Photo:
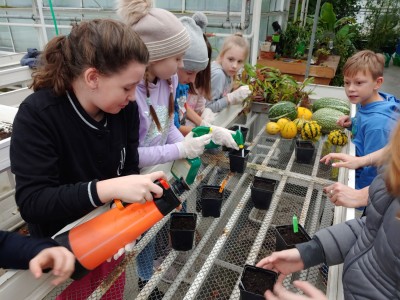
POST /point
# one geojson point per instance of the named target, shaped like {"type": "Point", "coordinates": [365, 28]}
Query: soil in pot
{"type": "Point", "coordinates": [262, 190]}
{"type": "Point", "coordinates": [264, 184]}
{"type": "Point", "coordinates": [211, 201]}
{"type": "Point", "coordinates": [238, 160]}
{"type": "Point", "coordinates": [182, 229]}
{"type": "Point", "coordinates": [183, 222]}
{"type": "Point", "coordinates": [255, 281]}
{"type": "Point", "coordinates": [286, 238]}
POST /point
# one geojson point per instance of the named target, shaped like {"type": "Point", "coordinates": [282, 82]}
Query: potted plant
{"type": "Point", "coordinates": [269, 86]}
{"type": "Point", "coordinates": [255, 281]}
{"type": "Point", "coordinates": [286, 238]}
{"type": "Point", "coordinates": [238, 160]}
{"type": "Point", "coordinates": [322, 55]}
{"type": "Point", "coordinates": [304, 151]}
{"type": "Point", "coordinates": [340, 34]}
{"type": "Point", "coordinates": [262, 190]}
{"type": "Point", "coordinates": [296, 37]}
{"type": "Point", "coordinates": [182, 228]}
{"type": "Point", "coordinates": [211, 200]}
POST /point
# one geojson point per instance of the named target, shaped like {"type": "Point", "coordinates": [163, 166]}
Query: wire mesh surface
{"type": "Point", "coordinates": [241, 235]}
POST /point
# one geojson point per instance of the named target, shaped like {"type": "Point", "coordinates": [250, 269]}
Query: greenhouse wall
{"type": "Point", "coordinates": [14, 14]}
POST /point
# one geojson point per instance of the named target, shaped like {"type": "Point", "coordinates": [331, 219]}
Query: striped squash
{"type": "Point", "coordinates": [299, 123]}
{"type": "Point", "coordinates": [337, 137]}
{"type": "Point", "coordinates": [311, 131]}
{"type": "Point", "coordinates": [283, 109]}
{"type": "Point", "coordinates": [330, 102]}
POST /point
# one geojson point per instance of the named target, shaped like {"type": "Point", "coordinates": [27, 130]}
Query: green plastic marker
{"type": "Point", "coordinates": [295, 224]}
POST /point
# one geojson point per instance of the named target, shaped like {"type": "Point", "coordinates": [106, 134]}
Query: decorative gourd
{"type": "Point", "coordinates": [327, 118]}
{"type": "Point", "coordinates": [311, 131]}
{"type": "Point", "coordinates": [272, 128]}
{"type": "Point", "coordinates": [289, 131]}
{"type": "Point", "coordinates": [337, 137]}
{"type": "Point", "coordinates": [304, 113]}
{"type": "Point", "coordinates": [281, 122]}
{"type": "Point", "coordinates": [283, 109]}
{"type": "Point", "coordinates": [335, 103]}
{"type": "Point", "coordinates": [299, 123]}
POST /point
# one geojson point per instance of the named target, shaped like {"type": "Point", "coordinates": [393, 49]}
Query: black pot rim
{"type": "Point", "coordinates": [261, 270]}
{"type": "Point", "coordinates": [301, 228]}
{"type": "Point", "coordinates": [184, 215]}
{"type": "Point", "coordinates": [274, 181]}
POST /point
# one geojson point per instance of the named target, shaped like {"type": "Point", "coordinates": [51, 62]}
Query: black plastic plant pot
{"type": "Point", "coordinates": [211, 201]}
{"type": "Point", "coordinates": [287, 239]}
{"type": "Point", "coordinates": [182, 228]}
{"type": "Point", "coordinates": [238, 160]}
{"type": "Point", "coordinates": [304, 151]}
{"type": "Point", "coordinates": [244, 130]}
{"type": "Point", "coordinates": [262, 190]}
{"type": "Point", "coordinates": [254, 282]}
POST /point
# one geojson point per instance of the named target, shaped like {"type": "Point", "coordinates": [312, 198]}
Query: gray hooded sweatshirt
{"type": "Point", "coordinates": [368, 247]}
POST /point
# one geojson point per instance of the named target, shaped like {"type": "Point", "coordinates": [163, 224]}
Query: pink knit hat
{"type": "Point", "coordinates": [162, 32]}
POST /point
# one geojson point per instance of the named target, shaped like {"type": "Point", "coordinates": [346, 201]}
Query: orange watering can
{"type": "Point", "coordinates": [94, 241]}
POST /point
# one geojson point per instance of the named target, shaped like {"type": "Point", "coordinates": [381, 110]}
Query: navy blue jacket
{"type": "Point", "coordinates": [17, 250]}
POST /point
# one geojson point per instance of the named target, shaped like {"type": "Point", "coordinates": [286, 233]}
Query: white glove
{"type": "Point", "coordinates": [192, 147]}
{"type": "Point", "coordinates": [126, 248]}
{"type": "Point", "coordinates": [121, 251]}
{"type": "Point", "coordinates": [237, 96]}
{"type": "Point", "coordinates": [208, 117]}
{"type": "Point", "coordinates": [222, 136]}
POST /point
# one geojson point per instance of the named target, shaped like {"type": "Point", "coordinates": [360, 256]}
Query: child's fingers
{"type": "Point", "coordinates": [35, 269]}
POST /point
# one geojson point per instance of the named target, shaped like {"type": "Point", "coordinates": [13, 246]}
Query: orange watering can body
{"type": "Point", "coordinates": [98, 239]}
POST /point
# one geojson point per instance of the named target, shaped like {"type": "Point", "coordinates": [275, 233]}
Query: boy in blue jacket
{"type": "Point", "coordinates": [23, 252]}
{"type": "Point", "coordinates": [377, 112]}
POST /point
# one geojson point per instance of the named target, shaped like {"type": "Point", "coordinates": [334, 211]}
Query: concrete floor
{"type": "Point", "coordinates": [391, 82]}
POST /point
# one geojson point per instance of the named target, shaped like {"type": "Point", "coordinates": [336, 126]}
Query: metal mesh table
{"type": "Point", "coordinates": [242, 234]}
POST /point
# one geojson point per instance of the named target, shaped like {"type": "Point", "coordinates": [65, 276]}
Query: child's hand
{"type": "Point", "coordinates": [285, 262]}
{"type": "Point", "coordinates": [344, 121]}
{"type": "Point", "coordinates": [208, 117]}
{"type": "Point", "coordinates": [343, 195]}
{"type": "Point", "coordinates": [237, 96]}
{"type": "Point", "coordinates": [60, 259]}
{"type": "Point", "coordinates": [281, 293]}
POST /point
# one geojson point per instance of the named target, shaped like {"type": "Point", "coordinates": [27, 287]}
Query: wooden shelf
{"type": "Point", "coordinates": [297, 68]}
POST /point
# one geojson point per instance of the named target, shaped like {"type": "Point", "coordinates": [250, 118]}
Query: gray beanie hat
{"type": "Point", "coordinates": [196, 57]}
{"type": "Point", "coordinates": [159, 29]}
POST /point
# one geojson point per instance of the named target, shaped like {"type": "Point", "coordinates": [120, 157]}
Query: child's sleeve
{"type": "Point", "coordinates": [16, 250]}
{"type": "Point", "coordinates": [219, 101]}
{"type": "Point", "coordinates": [154, 155]}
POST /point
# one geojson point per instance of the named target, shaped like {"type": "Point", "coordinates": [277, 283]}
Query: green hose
{"type": "Point", "coordinates": [53, 16]}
